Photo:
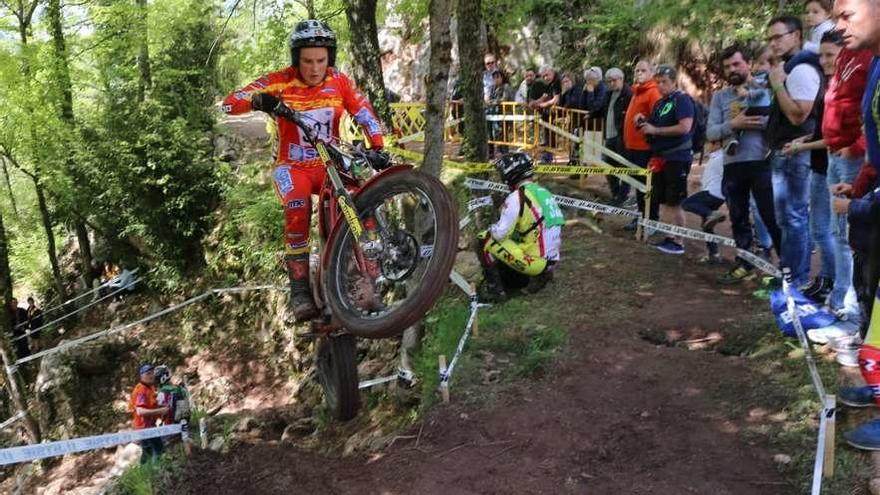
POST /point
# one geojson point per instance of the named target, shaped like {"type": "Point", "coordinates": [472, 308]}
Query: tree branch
{"type": "Point", "coordinates": [333, 14]}
{"type": "Point", "coordinates": [4, 151]}
{"type": "Point", "coordinates": [222, 30]}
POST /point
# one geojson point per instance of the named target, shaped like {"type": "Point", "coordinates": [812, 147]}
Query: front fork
{"type": "Point", "coordinates": [367, 246]}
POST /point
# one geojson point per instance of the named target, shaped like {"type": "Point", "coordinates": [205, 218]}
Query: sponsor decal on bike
{"type": "Point", "coordinates": [322, 151]}
{"type": "Point", "coordinates": [226, 108]}
{"type": "Point", "coordinates": [426, 251]}
{"type": "Point", "coordinates": [296, 203]}
{"type": "Point", "coordinates": [283, 180]}
{"type": "Point", "coordinates": [350, 216]}
{"type": "Point", "coordinates": [242, 95]}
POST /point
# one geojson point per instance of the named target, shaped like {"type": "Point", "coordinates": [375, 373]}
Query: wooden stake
{"type": "Point", "coordinates": [828, 461]}
{"type": "Point", "coordinates": [203, 432]}
{"type": "Point", "coordinates": [475, 329]}
{"type": "Point", "coordinates": [444, 386]}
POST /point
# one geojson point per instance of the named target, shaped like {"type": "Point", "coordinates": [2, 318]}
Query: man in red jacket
{"type": "Point", "coordinates": [842, 132]}
{"type": "Point", "coordinates": [313, 87]}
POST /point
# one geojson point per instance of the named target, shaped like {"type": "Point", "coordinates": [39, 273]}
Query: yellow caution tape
{"type": "Point", "coordinates": [540, 169]}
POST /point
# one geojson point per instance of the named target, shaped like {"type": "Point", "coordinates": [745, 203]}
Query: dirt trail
{"type": "Point", "coordinates": [617, 414]}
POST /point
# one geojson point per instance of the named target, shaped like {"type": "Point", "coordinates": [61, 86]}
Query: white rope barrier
{"type": "Point", "coordinates": [113, 330]}
{"type": "Point", "coordinates": [824, 447]}
{"type": "Point", "coordinates": [27, 453]}
{"type": "Point", "coordinates": [462, 284]}
{"type": "Point", "coordinates": [11, 420]}
{"type": "Point", "coordinates": [130, 284]}
{"type": "Point", "coordinates": [446, 372]}
{"type": "Point", "coordinates": [805, 343]}
{"type": "Point", "coordinates": [84, 294]}
{"type": "Point", "coordinates": [591, 206]}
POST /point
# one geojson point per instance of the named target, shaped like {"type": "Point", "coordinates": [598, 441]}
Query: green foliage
{"type": "Point", "coordinates": [444, 325]}
{"type": "Point", "coordinates": [151, 478]}
{"type": "Point", "coordinates": [140, 479]}
{"type": "Point", "coordinates": [249, 233]}
{"type": "Point", "coordinates": [518, 329]}
{"type": "Point", "coordinates": [529, 336]}
{"type": "Point", "coordinates": [149, 163]}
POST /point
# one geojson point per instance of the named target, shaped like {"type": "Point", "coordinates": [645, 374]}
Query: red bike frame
{"type": "Point", "coordinates": [330, 218]}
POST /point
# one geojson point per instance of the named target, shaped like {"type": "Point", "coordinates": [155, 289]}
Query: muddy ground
{"type": "Point", "coordinates": [618, 413]}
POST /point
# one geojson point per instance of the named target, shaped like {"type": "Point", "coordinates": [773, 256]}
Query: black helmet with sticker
{"type": "Point", "coordinates": [515, 168]}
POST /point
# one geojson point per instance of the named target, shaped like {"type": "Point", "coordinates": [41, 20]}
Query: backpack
{"type": "Point", "coordinates": [701, 121]}
{"type": "Point", "coordinates": [811, 315]}
{"type": "Point", "coordinates": [177, 399]}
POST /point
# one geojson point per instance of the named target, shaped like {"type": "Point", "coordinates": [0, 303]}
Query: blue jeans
{"type": "Point", "coordinates": [842, 170]}
{"type": "Point", "coordinates": [791, 198]}
{"type": "Point", "coordinates": [820, 224]}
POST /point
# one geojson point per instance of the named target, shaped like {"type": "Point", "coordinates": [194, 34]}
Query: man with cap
{"type": "Point", "coordinates": [145, 411]}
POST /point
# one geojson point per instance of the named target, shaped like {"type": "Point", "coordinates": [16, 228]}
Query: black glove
{"type": "Point", "coordinates": [378, 159]}
{"type": "Point", "coordinates": [264, 102]}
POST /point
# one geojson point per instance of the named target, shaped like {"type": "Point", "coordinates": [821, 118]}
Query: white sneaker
{"type": "Point", "coordinates": [848, 342]}
{"type": "Point", "coordinates": [848, 358]}
{"type": "Point", "coordinates": [836, 330]}
{"type": "Point", "coordinates": [847, 349]}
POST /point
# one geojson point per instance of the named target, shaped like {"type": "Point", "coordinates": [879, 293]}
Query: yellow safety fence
{"type": "Point", "coordinates": [564, 132]}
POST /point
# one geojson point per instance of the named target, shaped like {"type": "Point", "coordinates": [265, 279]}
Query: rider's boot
{"type": "Point", "coordinates": [538, 282]}
{"type": "Point", "coordinates": [492, 289]}
{"type": "Point", "coordinates": [301, 302]}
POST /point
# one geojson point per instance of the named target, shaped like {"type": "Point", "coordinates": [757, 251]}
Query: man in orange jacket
{"type": "Point", "coordinates": [638, 151]}
{"type": "Point", "coordinates": [145, 411]}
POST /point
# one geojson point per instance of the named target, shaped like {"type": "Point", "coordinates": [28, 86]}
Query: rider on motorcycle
{"type": "Point", "coordinates": [313, 87]}
{"type": "Point", "coordinates": [526, 237]}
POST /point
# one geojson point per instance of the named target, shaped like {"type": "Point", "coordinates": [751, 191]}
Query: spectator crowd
{"type": "Point", "coordinates": [793, 153]}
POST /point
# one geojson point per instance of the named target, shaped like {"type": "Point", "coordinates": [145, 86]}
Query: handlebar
{"type": "Point", "coordinates": [377, 160]}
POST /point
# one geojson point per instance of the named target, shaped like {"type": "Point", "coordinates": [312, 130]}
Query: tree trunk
{"type": "Point", "coordinates": [145, 81]}
{"type": "Point", "coordinates": [11, 380]}
{"type": "Point", "coordinates": [470, 56]}
{"type": "Point", "coordinates": [439, 13]}
{"type": "Point", "coordinates": [62, 79]}
{"type": "Point", "coordinates": [9, 187]}
{"type": "Point", "coordinates": [60, 65]}
{"type": "Point", "coordinates": [85, 251]}
{"type": "Point", "coordinates": [50, 240]}
{"type": "Point", "coordinates": [366, 61]}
